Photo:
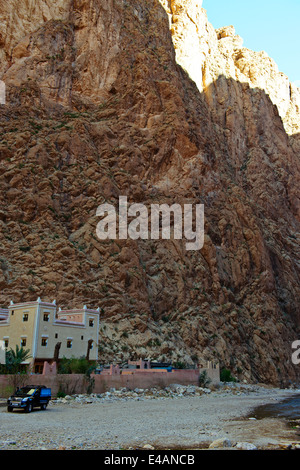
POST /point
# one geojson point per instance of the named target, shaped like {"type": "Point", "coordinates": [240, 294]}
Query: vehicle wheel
{"type": "Point", "coordinates": [43, 406]}
{"type": "Point", "coordinates": [9, 409]}
{"type": "Point", "coordinates": [28, 408]}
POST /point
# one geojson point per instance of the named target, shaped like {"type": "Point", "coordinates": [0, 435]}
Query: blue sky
{"type": "Point", "coordinates": [269, 25]}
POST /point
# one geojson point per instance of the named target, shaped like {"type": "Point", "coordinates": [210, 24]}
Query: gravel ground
{"type": "Point", "coordinates": [162, 422]}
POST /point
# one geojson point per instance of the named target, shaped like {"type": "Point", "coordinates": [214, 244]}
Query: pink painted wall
{"type": "Point", "coordinates": [77, 383]}
{"type": "Point", "coordinates": [144, 379]}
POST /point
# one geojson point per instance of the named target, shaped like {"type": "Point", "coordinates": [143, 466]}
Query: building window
{"type": "Point", "coordinates": [91, 322]}
{"type": "Point", "coordinates": [23, 342]}
{"type": "Point", "coordinates": [46, 316]}
{"type": "Point", "coordinates": [25, 317]}
{"type": "Point", "coordinates": [82, 337]}
{"type": "Point", "coordinates": [56, 335]}
{"type": "Point", "coordinates": [44, 341]}
{"type": "Point", "coordinates": [38, 369]}
{"type": "Point", "coordinates": [69, 343]}
{"type": "Point", "coordinates": [6, 342]}
{"type": "Point", "coordinates": [12, 312]}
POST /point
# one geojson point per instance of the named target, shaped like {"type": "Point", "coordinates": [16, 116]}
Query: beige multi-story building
{"type": "Point", "coordinates": [48, 332]}
{"type": "Point", "coordinates": [3, 318]}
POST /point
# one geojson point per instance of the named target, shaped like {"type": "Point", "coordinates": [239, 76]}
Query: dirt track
{"type": "Point", "coordinates": [168, 423]}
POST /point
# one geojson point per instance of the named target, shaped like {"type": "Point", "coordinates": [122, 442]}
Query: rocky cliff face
{"type": "Point", "coordinates": [145, 99]}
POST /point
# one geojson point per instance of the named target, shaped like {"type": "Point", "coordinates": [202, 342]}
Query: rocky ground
{"type": "Point", "coordinates": [177, 417]}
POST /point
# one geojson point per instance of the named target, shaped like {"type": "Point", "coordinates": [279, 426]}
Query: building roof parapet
{"type": "Point", "coordinates": [82, 310]}
{"type": "Point", "coordinates": [34, 302]}
{"type": "Point", "coordinates": [4, 311]}
{"type": "Point", "coordinates": [68, 322]}
{"type": "Point", "coordinates": [51, 304]}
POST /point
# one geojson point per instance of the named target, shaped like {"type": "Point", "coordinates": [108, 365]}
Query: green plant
{"type": "Point", "coordinates": [90, 381]}
{"type": "Point", "coordinates": [165, 318]}
{"type": "Point", "coordinates": [25, 248]}
{"type": "Point", "coordinates": [179, 365]}
{"type": "Point", "coordinates": [14, 366]}
{"type": "Point", "coordinates": [20, 379]}
{"type": "Point", "coordinates": [7, 391]}
{"type": "Point", "coordinates": [74, 365]}
{"type": "Point", "coordinates": [61, 393]}
{"type": "Point", "coordinates": [203, 379]}
{"type": "Point", "coordinates": [225, 376]}
{"type": "Point", "coordinates": [15, 358]}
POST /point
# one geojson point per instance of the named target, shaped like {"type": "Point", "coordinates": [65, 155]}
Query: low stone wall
{"type": "Point", "coordinates": [78, 383]}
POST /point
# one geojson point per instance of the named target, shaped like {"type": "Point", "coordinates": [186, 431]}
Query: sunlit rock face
{"type": "Point", "coordinates": [206, 53]}
{"type": "Point", "coordinates": [145, 99]}
{"type": "Point", "coordinates": [19, 19]}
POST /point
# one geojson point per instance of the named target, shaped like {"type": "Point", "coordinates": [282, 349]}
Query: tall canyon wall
{"type": "Point", "coordinates": [145, 99]}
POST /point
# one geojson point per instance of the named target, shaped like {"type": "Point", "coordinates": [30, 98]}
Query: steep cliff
{"type": "Point", "coordinates": [145, 99]}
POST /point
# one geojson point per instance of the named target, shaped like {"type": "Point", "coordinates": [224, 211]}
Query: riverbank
{"type": "Point", "coordinates": [174, 418]}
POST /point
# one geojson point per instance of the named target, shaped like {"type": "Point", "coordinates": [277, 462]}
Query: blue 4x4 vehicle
{"type": "Point", "coordinates": [29, 397]}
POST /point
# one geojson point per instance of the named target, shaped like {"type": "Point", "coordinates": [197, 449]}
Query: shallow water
{"type": "Point", "coordinates": [287, 409]}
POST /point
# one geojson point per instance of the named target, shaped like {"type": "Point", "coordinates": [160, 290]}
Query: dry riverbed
{"type": "Point", "coordinates": [174, 418]}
